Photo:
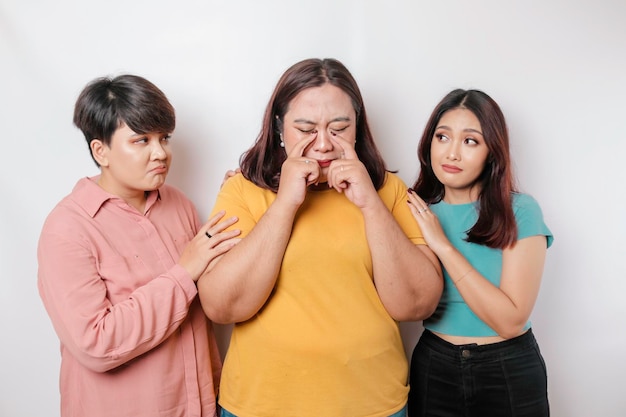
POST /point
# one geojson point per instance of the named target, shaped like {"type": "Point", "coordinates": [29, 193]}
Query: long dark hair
{"type": "Point", "coordinates": [262, 163]}
{"type": "Point", "coordinates": [496, 226]}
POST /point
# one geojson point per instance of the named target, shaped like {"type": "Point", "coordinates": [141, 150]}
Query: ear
{"type": "Point", "coordinates": [100, 152]}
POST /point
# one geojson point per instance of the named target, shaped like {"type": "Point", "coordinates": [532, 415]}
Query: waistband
{"type": "Point", "coordinates": [526, 340]}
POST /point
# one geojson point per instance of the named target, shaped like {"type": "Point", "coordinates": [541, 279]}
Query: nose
{"type": "Point", "coordinates": [323, 143]}
{"type": "Point", "coordinates": [454, 152]}
{"type": "Point", "coordinates": [158, 150]}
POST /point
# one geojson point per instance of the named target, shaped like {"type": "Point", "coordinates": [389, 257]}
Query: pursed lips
{"type": "Point", "coordinates": [451, 168]}
{"type": "Point", "coordinates": [159, 170]}
{"type": "Point", "coordinates": [324, 163]}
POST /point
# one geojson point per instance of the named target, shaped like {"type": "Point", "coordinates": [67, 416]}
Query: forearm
{"type": "Point", "coordinates": [408, 279]}
{"type": "Point", "coordinates": [490, 303]}
{"type": "Point", "coordinates": [240, 283]}
{"type": "Point", "coordinates": [102, 335]}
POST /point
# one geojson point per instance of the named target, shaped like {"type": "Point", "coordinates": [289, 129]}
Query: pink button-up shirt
{"type": "Point", "coordinates": [134, 339]}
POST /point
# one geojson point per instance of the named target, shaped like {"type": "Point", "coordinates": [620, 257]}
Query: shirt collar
{"type": "Point", "coordinates": [89, 195]}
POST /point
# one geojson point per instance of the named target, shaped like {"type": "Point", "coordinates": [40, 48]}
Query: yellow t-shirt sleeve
{"type": "Point", "coordinates": [231, 199]}
{"type": "Point", "coordinates": [394, 195]}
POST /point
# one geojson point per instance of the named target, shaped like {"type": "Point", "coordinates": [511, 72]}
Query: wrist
{"type": "Point", "coordinates": [374, 207]}
{"type": "Point", "coordinates": [443, 249]}
{"type": "Point", "coordinates": [462, 277]}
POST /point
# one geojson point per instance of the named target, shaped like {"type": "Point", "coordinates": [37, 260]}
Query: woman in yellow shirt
{"type": "Point", "coordinates": [330, 259]}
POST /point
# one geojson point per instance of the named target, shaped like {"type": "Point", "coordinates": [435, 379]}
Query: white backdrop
{"type": "Point", "coordinates": [558, 69]}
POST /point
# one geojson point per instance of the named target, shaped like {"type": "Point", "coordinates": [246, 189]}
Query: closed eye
{"type": "Point", "coordinates": [339, 130]}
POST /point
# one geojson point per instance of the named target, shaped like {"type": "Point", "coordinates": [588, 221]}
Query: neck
{"type": "Point", "coordinates": [463, 196]}
{"type": "Point", "coordinates": [138, 203]}
{"type": "Point", "coordinates": [136, 199]}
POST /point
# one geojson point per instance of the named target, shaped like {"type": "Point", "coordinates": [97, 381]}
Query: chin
{"type": "Point", "coordinates": [153, 187]}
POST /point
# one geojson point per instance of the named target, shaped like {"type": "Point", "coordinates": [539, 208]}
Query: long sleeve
{"type": "Point", "coordinates": [134, 339]}
{"type": "Point", "coordinates": [102, 335]}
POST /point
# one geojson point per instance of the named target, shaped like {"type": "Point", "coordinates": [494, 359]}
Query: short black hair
{"type": "Point", "coordinates": [107, 103]}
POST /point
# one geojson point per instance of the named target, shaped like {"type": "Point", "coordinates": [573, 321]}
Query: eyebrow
{"type": "Point", "coordinates": [464, 130]}
{"type": "Point", "coordinates": [336, 119]}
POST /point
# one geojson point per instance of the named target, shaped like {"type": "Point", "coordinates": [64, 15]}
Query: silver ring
{"type": "Point", "coordinates": [208, 235]}
{"type": "Point", "coordinates": [341, 168]}
{"type": "Point", "coordinates": [306, 161]}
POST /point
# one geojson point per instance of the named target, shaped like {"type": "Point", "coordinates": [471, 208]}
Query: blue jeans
{"type": "Point", "coordinates": [500, 379]}
{"type": "Point", "coordinates": [401, 413]}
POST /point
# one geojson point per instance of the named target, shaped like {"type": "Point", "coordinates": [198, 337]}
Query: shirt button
{"type": "Point", "coordinates": [465, 353]}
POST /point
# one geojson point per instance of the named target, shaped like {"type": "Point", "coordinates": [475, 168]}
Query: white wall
{"type": "Point", "coordinates": [556, 67]}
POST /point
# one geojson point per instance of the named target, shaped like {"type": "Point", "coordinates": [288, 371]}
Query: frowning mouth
{"type": "Point", "coordinates": [162, 169]}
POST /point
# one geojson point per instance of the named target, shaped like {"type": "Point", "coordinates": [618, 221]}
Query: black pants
{"type": "Point", "coordinates": [494, 380]}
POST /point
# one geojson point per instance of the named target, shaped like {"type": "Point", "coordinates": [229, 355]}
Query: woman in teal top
{"type": "Point", "coordinates": [477, 355]}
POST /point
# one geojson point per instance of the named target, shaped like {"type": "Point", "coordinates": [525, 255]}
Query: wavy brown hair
{"type": "Point", "coordinates": [262, 163]}
{"type": "Point", "coordinates": [496, 226]}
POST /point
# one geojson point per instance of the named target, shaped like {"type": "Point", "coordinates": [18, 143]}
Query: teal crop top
{"type": "Point", "coordinates": [452, 315]}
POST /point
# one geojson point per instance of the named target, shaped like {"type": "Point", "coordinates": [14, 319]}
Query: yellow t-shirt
{"type": "Point", "coordinates": [323, 344]}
